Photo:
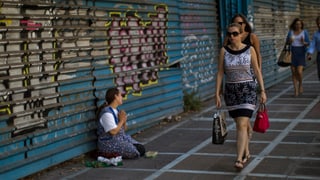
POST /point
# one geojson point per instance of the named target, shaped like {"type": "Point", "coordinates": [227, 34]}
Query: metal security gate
{"type": "Point", "coordinates": [200, 46]}
{"type": "Point", "coordinates": [57, 58]}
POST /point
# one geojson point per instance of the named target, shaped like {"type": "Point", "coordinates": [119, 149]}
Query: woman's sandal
{"type": "Point", "coordinates": [246, 158]}
{"type": "Point", "coordinates": [238, 164]}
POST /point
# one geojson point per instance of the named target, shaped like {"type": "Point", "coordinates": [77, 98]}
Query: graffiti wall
{"type": "Point", "coordinates": [200, 46]}
{"type": "Point", "coordinates": [58, 58]}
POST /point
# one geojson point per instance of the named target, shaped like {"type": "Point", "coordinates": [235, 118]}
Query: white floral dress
{"type": "Point", "coordinates": [240, 87]}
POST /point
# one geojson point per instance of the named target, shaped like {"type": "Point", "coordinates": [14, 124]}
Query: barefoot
{"type": "Point", "coordinates": [300, 90]}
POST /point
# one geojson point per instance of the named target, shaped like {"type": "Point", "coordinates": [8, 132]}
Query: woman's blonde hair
{"type": "Point", "coordinates": [236, 25]}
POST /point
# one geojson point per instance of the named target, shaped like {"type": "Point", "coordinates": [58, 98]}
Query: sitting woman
{"type": "Point", "coordinates": [112, 140]}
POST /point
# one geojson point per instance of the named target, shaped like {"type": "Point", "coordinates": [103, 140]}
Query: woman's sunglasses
{"type": "Point", "coordinates": [234, 34]}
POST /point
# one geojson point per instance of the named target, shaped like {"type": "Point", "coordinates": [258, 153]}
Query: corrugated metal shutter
{"type": "Point", "coordinates": [137, 58]}
{"type": "Point", "coordinates": [228, 8]}
{"type": "Point", "coordinates": [309, 13]}
{"type": "Point", "coordinates": [47, 97]}
{"type": "Point", "coordinates": [59, 57]}
{"type": "Point", "coordinates": [201, 44]}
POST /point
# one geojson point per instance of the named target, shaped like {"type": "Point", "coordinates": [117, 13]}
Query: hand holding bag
{"type": "Point", "coordinates": [285, 56]}
{"type": "Point", "coordinates": [219, 128]}
{"type": "Point", "coordinates": [261, 124]}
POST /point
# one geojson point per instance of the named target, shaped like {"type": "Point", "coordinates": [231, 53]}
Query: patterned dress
{"type": "Point", "coordinates": [119, 144]}
{"type": "Point", "coordinates": [240, 88]}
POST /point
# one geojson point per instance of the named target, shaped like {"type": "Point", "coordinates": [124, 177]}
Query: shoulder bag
{"type": "Point", "coordinates": [285, 56]}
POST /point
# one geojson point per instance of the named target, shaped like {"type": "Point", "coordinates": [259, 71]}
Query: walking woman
{"type": "Point", "coordinates": [235, 62]}
{"type": "Point", "coordinates": [251, 39]}
{"type": "Point", "coordinates": [298, 38]}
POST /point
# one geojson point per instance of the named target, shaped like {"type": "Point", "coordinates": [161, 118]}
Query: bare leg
{"type": "Point", "coordinates": [242, 136]}
{"type": "Point", "coordinates": [250, 131]}
{"type": "Point", "coordinates": [299, 74]}
{"type": "Point", "coordinates": [294, 80]}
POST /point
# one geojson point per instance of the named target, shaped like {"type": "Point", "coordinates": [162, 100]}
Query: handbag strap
{"type": "Point", "coordinates": [218, 112]}
{"type": "Point", "coordinates": [287, 47]}
{"type": "Point", "coordinates": [262, 107]}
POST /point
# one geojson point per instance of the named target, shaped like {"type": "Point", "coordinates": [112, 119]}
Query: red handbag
{"type": "Point", "coordinates": [261, 124]}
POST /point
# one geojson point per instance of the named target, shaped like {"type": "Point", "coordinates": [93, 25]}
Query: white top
{"type": "Point", "coordinates": [297, 39]}
{"type": "Point", "coordinates": [237, 65]}
{"type": "Point", "coordinates": [107, 120]}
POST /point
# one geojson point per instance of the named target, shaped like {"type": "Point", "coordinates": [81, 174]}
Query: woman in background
{"type": "Point", "coordinates": [298, 39]}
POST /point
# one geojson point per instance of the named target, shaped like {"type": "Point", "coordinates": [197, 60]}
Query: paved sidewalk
{"type": "Point", "coordinates": [289, 150]}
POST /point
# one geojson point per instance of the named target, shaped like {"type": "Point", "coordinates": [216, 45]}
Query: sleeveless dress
{"type": "Point", "coordinates": [119, 144]}
{"type": "Point", "coordinates": [240, 88]}
{"type": "Point", "coordinates": [247, 40]}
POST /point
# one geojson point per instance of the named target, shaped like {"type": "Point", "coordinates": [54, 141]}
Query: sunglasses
{"type": "Point", "coordinates": [241, 23]}
{"type": "Point", "coordinates": [234, 34]}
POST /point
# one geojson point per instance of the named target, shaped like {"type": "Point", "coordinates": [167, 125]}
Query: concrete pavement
{"type": "Point", "coordinates": [290, 149]}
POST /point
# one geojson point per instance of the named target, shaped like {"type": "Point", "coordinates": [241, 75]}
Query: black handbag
{"type": "Point", "coordinates": [219, 128]}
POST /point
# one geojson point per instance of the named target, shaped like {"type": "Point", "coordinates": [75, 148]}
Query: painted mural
{"type": "Point", "coordinates": [137, 47]}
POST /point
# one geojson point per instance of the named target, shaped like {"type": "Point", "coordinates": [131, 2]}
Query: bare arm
{"type": "Point", "coordinates": [219, 78]}
{"type": "Point", "coordinates": [256, 44]}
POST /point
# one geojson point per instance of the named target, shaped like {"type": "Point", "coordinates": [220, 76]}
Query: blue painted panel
{"type": "Point", "coordinates": [102, 70]}
{"type": "Point", "coordinates": [61, 140]}
{"type": "Point", "coordinates": [5, 133]}
{"type": "Point", "coordinates": [73, 117]}
{"type": "Point", "coordinates": [200, 45]}
{"type": "Point", "coordinates": [8, 163]}
{"type": "Point", "coordinates": [78, 85]}
{"type": "Point", "coordinates": [12, 150]}
{"type": "Point", "coordinates": [34, 166]}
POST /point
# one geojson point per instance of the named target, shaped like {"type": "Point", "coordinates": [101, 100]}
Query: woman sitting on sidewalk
{"type": "Point", "coordinates": [112, 139]}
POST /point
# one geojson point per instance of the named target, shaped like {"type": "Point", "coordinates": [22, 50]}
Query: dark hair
{"type": "Point", "coordinates": [248, 27]}
{"type": "Point", "coordinates": [236, 25]}
{"type": "Point", "coordinates": [318, 18]}
{"type": "Point", "coordinates": [110, 94]}
{"type": "Point", "coordinates": [292, 25]}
